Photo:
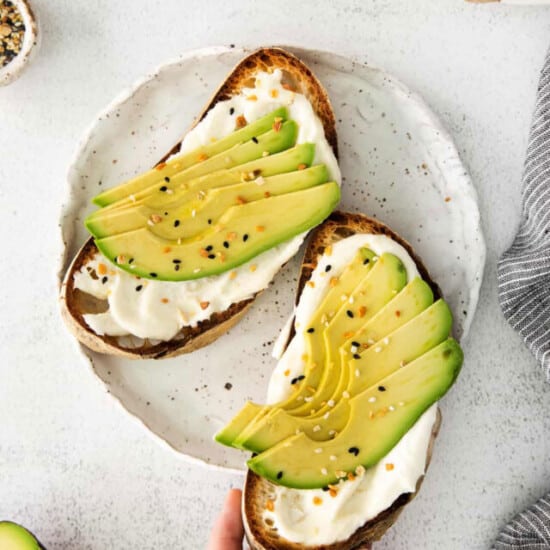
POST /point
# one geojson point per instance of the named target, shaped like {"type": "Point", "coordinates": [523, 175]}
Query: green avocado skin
{"type": "Point", "coordinates": [15, 537]}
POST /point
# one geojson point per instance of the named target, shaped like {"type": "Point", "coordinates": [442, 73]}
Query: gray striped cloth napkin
{"type": "Point", "coordinates": [524, 294]}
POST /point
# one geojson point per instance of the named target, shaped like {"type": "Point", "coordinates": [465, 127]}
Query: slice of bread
{"type": "Point", "coordinates": [257, 490]}
{"type": "Point", "coordinates": [74, 303]}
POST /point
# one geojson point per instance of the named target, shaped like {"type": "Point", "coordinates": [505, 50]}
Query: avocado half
{"type": "Point", "coordinates": [16, 537]}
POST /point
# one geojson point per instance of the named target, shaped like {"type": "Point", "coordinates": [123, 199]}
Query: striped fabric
{"type": "Point", "coordinates": [524, 269]}
{"type": "Point", "coordinates": [524, 293]}
{"type": "Point", "coordinates": [529, 530]}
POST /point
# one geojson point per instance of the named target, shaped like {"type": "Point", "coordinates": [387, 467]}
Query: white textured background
{"type": "Point", "coordinates": [82, 474]}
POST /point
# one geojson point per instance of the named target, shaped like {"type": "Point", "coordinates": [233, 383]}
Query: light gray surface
{"type": "Point", "coordinates": [80, 472]}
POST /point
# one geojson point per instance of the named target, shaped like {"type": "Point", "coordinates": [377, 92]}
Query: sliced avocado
{"type": "Point", "coordinates": [378, 418]}
{"type": "Point", "coordinates": [181, 189]}
{"type": "Point", "coordinates": [194, 216]}
{"type": "Point", "coordinates": [377, 288]}
{"type": "Point", "coordinates": [183, 162]}
{"type": "Point", "coordinates": [248, 229]}
{"type": "Point", "coordinates": [400, 347]}
{"type": "Point", "coordinates": [15, 537]}
{"type": "Point", "coordinates": [350, 278]}
{"type": "Point", "coordinates": [409, 303]}
{"type": "Point", "coordinates": [240, 421]}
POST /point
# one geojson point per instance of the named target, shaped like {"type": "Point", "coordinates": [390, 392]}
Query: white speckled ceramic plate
{"type": "Point", "coordinates": [399, 165]}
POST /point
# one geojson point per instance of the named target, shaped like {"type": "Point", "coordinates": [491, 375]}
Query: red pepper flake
{"type": "Point", "coordinates": [267, 194]}
{"type": "Point", "coordinates": [302, 166]}
{"type": "Point", "coordinates": [240, 122]}
{"type": "Point", "coordinates": [328, 250]}
{"type": "Point", "coordinates": [310, 284]}
{"type": "Point", "coordinates": [231, 236]}
{"type": "Point", "coordinates": [101, 269]}
{"type": "Point", "coordinates": [287, 372]}
{"type": "Point", "coordinates": [167, 249]}
{"type": "Point", "coordinates": [204, 305]}
{"type": "Point", "coordinates": [351, 476]}
{"type": "Point", "coordinates": [362, 311]}
{"type": "Point", "coordinates": [253, 267]}
{"type": "Point", "coordinates": [317, 501]}
{"type": "Point", "coordinates": [333, 281]}
{"type": "Point", "coordinates": [397, 313]}
{"type": "Point", "coordinates": [270, 505]}
{"type": "Point", "coordinates": [389, 467]}
{"type": "Point", "coordinates": [447, 199]}
{"type": "Point", "coordinates": [222, 257]}
{"type": "Point", "coordinates": [274, 93]}
{"type": "Point", "coordinates": [252, 97]}
{"type": "Point", "coordinates": [202, 157]}
{"type": "Point", "coordinates": [260, 228]}
{"type": "Point", "coordinates": [160, 166]}
{"type": "Point", "coordinates": [203, 252]}
{"type": "Point", "coordinates": [241, 200]}
{"type": "Point", "coordinates": [348, 334]}
{"type": "Point", "coordinates": [164, 300]}
{"type": "Point", "coordinates": [277, 124]}
{"type": "Point", "coordinates": [233, 274]}
{"type": "Point", "coordinates": [333, 492]}
{"type": "Point", "coordinates": [155, 218]}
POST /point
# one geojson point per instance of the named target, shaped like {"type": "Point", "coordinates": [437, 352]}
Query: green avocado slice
{"type": "Point", "coordinates": [378, 418]}
{"type": "Point", "coordinates": [376, 289]}
{"type": "Point", "coordinates": [400, 347]}
{"type": "Point", "coordinates": [181, 189]}
{"type": "Point", "coordinates": [194, 216]}
{"type": "Point", "coordinates": [186, 160]}
{"type": "Point", "coordinates": [15, 537]}
{"type": "Point", "coordinates": [248, 230]}
{"type": "Point", "coordinates": [410, 302]}
{"type": "Point", "coordinates": [228, 434]}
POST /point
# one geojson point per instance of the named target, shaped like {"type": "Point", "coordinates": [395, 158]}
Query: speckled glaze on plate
{"type": "Point", "coordinates": [399, 165]}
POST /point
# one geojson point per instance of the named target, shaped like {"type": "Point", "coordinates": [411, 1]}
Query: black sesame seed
{"type": "Point", "coordinates": [381, 388]}
{"type": "Point", "coordinates": [366, 261]}
{"type": "Point", "coordinates": [225, 244]}
{"type": "Point", "coordinates": [297, 379]}
{"type": "Point", "coordinates": [138, 288]}
{"type": "Point", "coordinates": [212, 256]}
{"type": "Point", "coordinates": [279, 475]}
{"type": "Point", "coordinates": [209, 248]}
{"type": "Point", "coordinates": [176, 223]}
{"type": "Point", "coordinates": [231, 111]}
{"type": "Point", "coordinates": [166, 213]}
{"type": "Point", "coordinates": [353, 451]}
{"type": "Point", "coordinates": [310, 330]}
{"type": "Point", "coordinates": [131, 261]}
{"type": "Point", "coordinates": [255, 139]}
{"type": "Point", "coordinates": [104, 279]}
{"type": "Point", "coordinates": [245, 237]}
{"type": "Point", "coordinates": [349, 313]}
{"type": "Point", "coordinates": [176, 261]}
{"type": "Point", "coordinates": [209, 222]}
{"type": "Point", "coordinates": [166, 179]}
{"type": "Point", "coordinates": [328, 268]}
{"type": "Point", "coordinates": [177, 267]}
{"type": "Point", "coordinates": [326, 488]}
{"type": "Point", "coordinates": [153, 275]}
{"type": "Point", "coordinates": [163, 188]}
{"type": "Point", "coordinates": [356, 356]}
{"type": "Point", "coordinates": [356, 344]}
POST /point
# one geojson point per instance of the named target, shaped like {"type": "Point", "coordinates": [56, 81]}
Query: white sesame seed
{"type": "Point", "coordinates": [370, 341]}
{"type": "Point", "coordinates": [150, 222]}
{"type": "Point", "coordinates": [386, 341]}
{"type": "Point", "coordinates": [317, 428]}
{"type": "Point", "coordinates": [357, 373]}
{"type": "Point", "coordinates": [401, 404]}
{"type": "Point", "coordinates": [344, 297]}
{"type": "Point", "coordinates": [360, 470]}
{"type": "Point", "coordinates": [377, 349]}
{"type": "Point", "coordinates": [169, 192]}
{"type": "Point", "coordinates": [298, 432]}
{"type": "Point", "coordinates": [330, 403]}
{"type": "Point", "coordinates": [308, 399]}
{"type": "Point", "coordinates": [196, 270]}
{"type": "Point", "coordinates": [260, 180]}
{"type": "Point", "coordinates": [324, 471]}
{"type": "Point", "coordinates": [391, 408]}
{"type": "Point", "coordinates": [318, 451]}
{"type": "Point", "coordinates": [332, 457]}
{"type": "Point", "coordinates": [402, 363]}
{"type": "Point", "coordinates": [372, 399]}
{"type": "Point", "coordinates": [354, 349]}
{"type": "Point", "coordinates": [132, 198]}
{"type": "Point", "coordinates": [351, 300]}
{"type": "Point", "coordinates": [375, 259]}
{"type": "Point", "coordinates": [193, 213]}
{"type": "Point", "coordinates": [326, 415]}
{"type": "Point", "coordinates": [345, 394]}
{"type": "Point", "coordinates": [332, 432]}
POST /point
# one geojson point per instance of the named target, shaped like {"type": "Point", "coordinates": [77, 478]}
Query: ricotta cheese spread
{"type": "Point", "coordinates": [321, 517]}
{"type": "Point", "coordinates": [158, 309]}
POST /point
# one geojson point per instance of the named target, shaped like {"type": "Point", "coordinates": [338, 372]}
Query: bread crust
{"type": "Point", "coordinates": [258, 490]}
{"type": "Point", "coordinates": [73, 303]}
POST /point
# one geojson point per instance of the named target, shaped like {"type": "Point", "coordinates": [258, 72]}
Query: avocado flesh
{"type": "Point", "coordinates": [15, 537]}
{"type": "Point", "coordinates": [228, 434]}
{"type": "Point", "coordinates": [354, 272]}
{"type": "Point", "coordinates": [410, 302]}
{"type": "Point", "coordinates": [249, 229]}
{"type": "Point", "coordinates": [373, 429]}
{"type": "Point", "coordinates": [183, 162]}
{"type": "Point", "coordinates": [181, 189]}
{"type": "Point", "coordinates": [387, 277]}
{"type": "Point", "coordinates": [194, 216]}
{"type": "Point", "coordinates": [400, 347]}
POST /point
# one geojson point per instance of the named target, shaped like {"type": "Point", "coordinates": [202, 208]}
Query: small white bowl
{"type": "Point", "coordinates": [13, 69]}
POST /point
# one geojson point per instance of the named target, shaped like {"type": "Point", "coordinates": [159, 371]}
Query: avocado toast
{"type": "Point", "coordinates": [344, 442]}
{"type": "Point", "coordinates": [218, 216]}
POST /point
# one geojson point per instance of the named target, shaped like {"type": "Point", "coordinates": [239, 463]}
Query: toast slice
{"type": "Point", "coordinates": [75, 304]}
{"type": "Point", "coordinates": [257, 490]}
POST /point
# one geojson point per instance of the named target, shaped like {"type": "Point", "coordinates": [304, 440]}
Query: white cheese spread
{"type": "Point", "coordinates": [317, 517]}
{"type": "Point", "coordinates": [159, 309]}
